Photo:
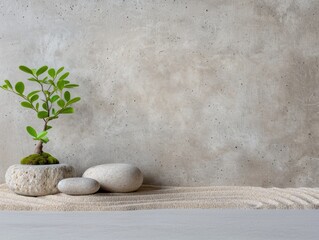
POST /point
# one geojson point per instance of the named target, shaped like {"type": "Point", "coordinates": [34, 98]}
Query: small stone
{"type": "Point", "coordinates": [37, 180]}
{"type": "Point", "coordinates": [78, 186]}
{"type": "Point", "coordinates": [116, 177]}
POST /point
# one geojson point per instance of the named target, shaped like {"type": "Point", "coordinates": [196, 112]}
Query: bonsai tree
{"type": "Point", "coordinates": [50, 99]}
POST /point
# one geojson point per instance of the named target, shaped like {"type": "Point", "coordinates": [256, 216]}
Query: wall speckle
{"type": "Point", "coordinates": [192, 92]}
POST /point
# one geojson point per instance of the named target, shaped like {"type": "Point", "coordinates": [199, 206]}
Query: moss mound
{"type": "Point", "coordinates": [39, 159]}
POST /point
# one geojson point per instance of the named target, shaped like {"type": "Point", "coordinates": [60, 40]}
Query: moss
{"type": "Point", "coordinates": [39, 159]}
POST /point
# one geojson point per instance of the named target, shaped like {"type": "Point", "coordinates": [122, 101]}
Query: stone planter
{"type": "Point", "coordinates": [37, 180]}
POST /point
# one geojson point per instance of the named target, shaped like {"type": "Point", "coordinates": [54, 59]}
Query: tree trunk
{"type": "Point", "coordinates": [38, 147]}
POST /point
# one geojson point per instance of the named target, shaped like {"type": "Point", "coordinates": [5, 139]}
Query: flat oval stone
{"type": "Point", "coordinates": [116, 177]}
{"type": "Point", "coordinates": [37, 180]}
{"type": "Point", "coordinates": [78, 186]}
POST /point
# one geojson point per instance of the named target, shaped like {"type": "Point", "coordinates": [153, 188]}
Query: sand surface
{"type": "Point", "coordinates": [165, 197]}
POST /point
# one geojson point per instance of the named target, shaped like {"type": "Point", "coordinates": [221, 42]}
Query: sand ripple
{"type": "Point", "coordinates": [153, 197]}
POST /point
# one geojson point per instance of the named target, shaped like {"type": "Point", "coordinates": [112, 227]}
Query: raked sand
{"type": "Point", "coordinates": [165, 197]}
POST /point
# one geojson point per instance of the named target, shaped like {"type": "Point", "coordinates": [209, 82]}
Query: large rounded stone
{"type": "Point", "coordinates": [37, 180]}
{"type": "Point", "coordinates": [116, 177]}
{"type": "Point", "coordinates": [78, 186]}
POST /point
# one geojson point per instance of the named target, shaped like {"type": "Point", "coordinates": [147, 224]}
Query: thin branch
{"type": "Point", "coordinates": [24, 99]}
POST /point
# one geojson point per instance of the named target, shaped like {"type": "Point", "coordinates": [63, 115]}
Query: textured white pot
{"type": "Point", "coordinates": [37, 180]}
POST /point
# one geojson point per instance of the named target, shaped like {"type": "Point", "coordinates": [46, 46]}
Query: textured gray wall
{"type": "Point", "coordinates": [193, 92]}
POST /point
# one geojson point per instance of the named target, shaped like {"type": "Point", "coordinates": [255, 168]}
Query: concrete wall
{"type": "Point", "coordinates": [211, 92]}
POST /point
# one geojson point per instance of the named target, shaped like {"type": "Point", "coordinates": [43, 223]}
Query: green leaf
{"type": "Point", "coordinates": [19, 87]}
{"type": "Point", "coordinates": [53, 111]}
{"type": "Point", "coordinates": [61, 103]}
{"type": "Point", "coordinates": [33, 79]}
{"type": "Point", "coordinates": [59, 70]}
{"type": "Point", "coordinates": [67, 95]}
{"type": "Point", "coordinates": [5, 87]}
{"type": "Point", "coordinates": [74, 100]}
{"type": "Point", "coordinates": [64, 76]}
{"type": "Point", "coordinates": [34, 98]}
{"type": "Point", "coordinates": [41, 70]}
{"type": "Point", "coordinates": [60, 85]}
{"type": "Point", "coordinates": [32, 131]}
{"type": "Point", "coordinates": [8, 83]}
{"type": "Point", "coordinates": [44, 80]}
{"type": "Point", "coordinates": [48, 127]}
{"type": "Point", "coordinates": [71, 85]}
{"type": "Point", "coordinates": [42, 114]}
{"type": "Point", "coordinates": [37, 106]}
{"type": "Point", "coordinates": [32, 93]}
{"type": "Point", "coordinates": [26, 69]}
{"type": "Point", "coordinates": [51, 72]}
{"type": "Point", "coordinates": [53, 117]}
{"type": "Point", "coordinates": [52, 83]}
{"type": "Point", "coordinates": [54, 98]}
{"type": "Point", "coordinates": [44, 105]}
{"type": "Point", "coordinates": [67, 110]}
{"type": "Point", "coordinates": [41, 134]}
{"type": "Point", "coordinates": [45, 139]}
{"type": "Point", "coordinates": [26, 105]}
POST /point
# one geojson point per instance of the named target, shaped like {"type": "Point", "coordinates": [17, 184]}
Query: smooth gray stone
{"type": "Point", "coordinates": [78, 186]}
{"type": "Point", "coordinates": [116, 177]}
{"type": "Point", "coordinates": [37, 180]}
